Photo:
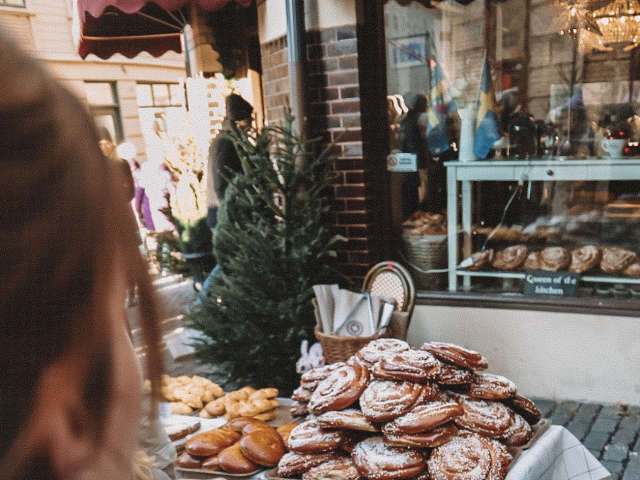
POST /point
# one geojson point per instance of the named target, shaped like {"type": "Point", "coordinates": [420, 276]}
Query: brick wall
{"type": "Point", "coordinates": [332, 97]}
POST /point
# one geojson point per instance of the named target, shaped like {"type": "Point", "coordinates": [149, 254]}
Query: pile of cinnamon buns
{"type": "Point", "coordinates": [395, 412]}
{"type": "Point", "coordinates": [610, 260]}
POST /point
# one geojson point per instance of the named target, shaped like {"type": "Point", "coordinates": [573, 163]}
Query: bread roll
{"type": "Point", "coordinates": [211, 442]}
{"type": "Point", "coordinates": [231, 460]}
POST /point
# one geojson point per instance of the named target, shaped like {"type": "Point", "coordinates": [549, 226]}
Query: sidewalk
{"type": "Point", "coordinates": [611, 433]}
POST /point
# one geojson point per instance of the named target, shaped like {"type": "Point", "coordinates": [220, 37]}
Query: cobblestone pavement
{"type": "Point", "coordinates": [609, 432]}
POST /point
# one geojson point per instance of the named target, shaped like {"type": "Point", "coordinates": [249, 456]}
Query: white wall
{"type": "Point", "coordinates": [554, 355]}
{"type": "Point", "coordinates": [319, 14]}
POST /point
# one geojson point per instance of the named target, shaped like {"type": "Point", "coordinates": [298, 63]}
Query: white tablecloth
{"type": "Point", "coordinates": [557, 455]}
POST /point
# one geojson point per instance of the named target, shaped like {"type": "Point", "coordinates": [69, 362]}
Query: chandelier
{"type": "Point", "coordinates": [619, 22]}
{"type": "Point", "coordinates": [601, 24]}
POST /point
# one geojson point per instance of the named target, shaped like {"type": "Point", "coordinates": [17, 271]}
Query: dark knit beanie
{"type": "Point", "coordinates": [237, 108]}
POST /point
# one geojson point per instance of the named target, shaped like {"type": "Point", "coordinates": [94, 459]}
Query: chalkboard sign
{"type": "Point", "coordinates": [560, 284]}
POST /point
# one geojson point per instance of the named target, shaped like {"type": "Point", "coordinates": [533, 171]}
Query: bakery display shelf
{"type": "Point", "coordinates": [521, 275]}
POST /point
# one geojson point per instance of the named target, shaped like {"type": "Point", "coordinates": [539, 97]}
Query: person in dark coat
{"type": "Point", "coordinates": [412, 142]}
{"type": "Point", "coordinates": [223, 158]}
{"type": "Point", "coordinates": [224, 162]}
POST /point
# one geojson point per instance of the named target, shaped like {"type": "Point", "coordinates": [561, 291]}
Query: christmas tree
{"type": "Point", "coordinates": [273, 243]}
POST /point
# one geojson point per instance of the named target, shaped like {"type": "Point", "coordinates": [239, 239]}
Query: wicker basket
{"type": "Point", "coordinates": [426, 252]}
{"type": "Point", "coordinates": [338, 349]}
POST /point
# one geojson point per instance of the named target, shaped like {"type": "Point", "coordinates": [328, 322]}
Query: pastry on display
{"type": "Point", "coordinates": [525, 407]}
{"type": "Point", "coordinates": [616, 259]}
{"type": "Point", "coordinates": [632, 270]}
{"type": "Point", "coordinates": [375, 350]}
{"type": "Point", "coordinates": [293, 464]}
{"type": "Point", "coordinates": [411, 365]}
{"type": "Point", "coordinates": [245, 402]}
{"type": "Point", "coordinates": [491, 387]}
{"type": "Point", "coordinates": [450, 375]}
{"type": "Point", "coordinates": [309, 437]}
{"type": "Point", "coordinates": [424, 223]}
{"type": "Point", "coordinates": [312, 378]}
{"type": "Point", "coordinates": [585, 258]}
{"type": "Point", "coordinates": [532, 262]}
{"type": "Point", "coordinates": [469, 457]}
{"type": "Point", "coordinates": [554, 259]}
{"type": "Point", "coordinates": [187, 394]}
{"type": "Point", "coordinates": [242, 446]}
{"type": "Point", "coordinates": [342, 468]}
{"type": "Point", "coordinates": [431, 439]}
{"type": "Point", "coordinates": [375, 460]}
{"type": "Point", "coordinates": [349, 419]}
{"type": "Point", "coordinates": [456, 355]}
{"type": "Point", "coordinates": [385, 400]}
{"type": "Point", "coordinates": [510, 258]}
{"type": "Point", "coordinates": [339, 390]}
{"type": "Point", "coordinates": [425, 412]}
{"type": "Point", "coordinates": [298, 409]}
{"type": "Point", "coordinates": [482, 260]}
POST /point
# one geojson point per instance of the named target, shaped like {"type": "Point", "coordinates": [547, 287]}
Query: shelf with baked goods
{"type": "Point", "coordinates": [524, 172]}
{"type": "Point", "coordinates": [521, 276]}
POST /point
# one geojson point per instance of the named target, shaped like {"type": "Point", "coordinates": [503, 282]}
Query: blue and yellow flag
{"type": "Point", "coordinates": [440, 106]}
{"type": "Point", "coordinates": [487, 131]}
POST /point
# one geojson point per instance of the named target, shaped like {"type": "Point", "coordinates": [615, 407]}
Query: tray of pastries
{"type": "Point", "coordinates": [394, 412]}
{"type": "Point", "coordinates": [242, 447]}
{"type": "Point", "coordinates": [588, 259]}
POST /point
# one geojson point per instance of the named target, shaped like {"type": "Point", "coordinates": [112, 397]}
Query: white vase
{"type": "Point", "coordinates": [467, 133]}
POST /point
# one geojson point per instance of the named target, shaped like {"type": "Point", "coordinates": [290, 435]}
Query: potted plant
{"type": "Point", "coordinates": [188, 206]}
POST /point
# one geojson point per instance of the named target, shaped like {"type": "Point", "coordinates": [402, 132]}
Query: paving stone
{"type": "Point", "coordinates": [604, 425]}
{"type": "Point", "coordinates": [587, 412]}
{"type": "Point", "coordinates": [630, 475]}
{"type": "Point", "coordinates": [630, 422]}
{"type": "Point", "coordinates": [615, 468]}
{"type": "Point", "coordinates": [624, 436]}
{"type": "Point", "coordinates": [578, 428]}
{"type": "Point", "coordinates": [636, 446]}
{"type": "Point", "coordinates": [560, 417]}
{"type": "Point", "coordinates": [568, 406]}
{"type": "Point", "coordinates": [545, 406]}
{"type": "Point", "coordinates": [616, 452]}
{"type": "Point", "coordinates": [596, 440]}
{"type": "Point", "coordinates": [610, 412]}
{"type": "Point", "coordinates": [635, 411]}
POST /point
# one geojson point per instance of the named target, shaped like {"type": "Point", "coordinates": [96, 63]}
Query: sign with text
{"type": "Point", "coordinates": [402, 162]}
{"type": "Point", "coordinates": [560, 284]}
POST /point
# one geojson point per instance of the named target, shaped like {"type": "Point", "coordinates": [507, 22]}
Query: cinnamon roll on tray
{"type": "Point", "coordinates": [398, 412]}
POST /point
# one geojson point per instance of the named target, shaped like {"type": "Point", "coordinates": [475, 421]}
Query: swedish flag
{"type": "Point", "coordinates": [440, 105]}
{"type": "Point", "coordinates": [487, 131]}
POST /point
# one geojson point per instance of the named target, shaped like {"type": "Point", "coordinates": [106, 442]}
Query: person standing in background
{"type": "Point", "coordinates": [412, 142]}
{"type": "Point", "coordinates": [224, 161]}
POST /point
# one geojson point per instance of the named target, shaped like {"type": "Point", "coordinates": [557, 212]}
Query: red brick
{"type": "Point", "coordinates": [356, 204]}
{"type": "Point", "coordinates": [360, 257]}
{"type": "Point", "coordinates": [345, 164]}
{"type": "Point", "coordinates": [342, 47]}
{"type": "Point", "coordinates": [345, 106]}
{"type": "Point", "coordinates": [352, 149]}
{"type": "Point", "coordinates": [315, 52]}
{"type": "Point", "coordinates": [354, 177]}
{"type": "Point", "coordinates": [341, 136]}
{"type": "Point", "coordinates": [343, 78]}
{"type": "Point", "coordinates": [350, 92]}
{"type": "Point", "coordinates": [321, 66]}
{"type": "Point", "coordinates": [346, 32]}
{"type": "Point", "coordinates": [350, 218]}
{"type": "Point", "coordinates": [357, 231]}
{"type": "Point", "coordinates": [346, 191]}
{"type": "Point", "coordinates": [348, 62]}
{"type": "Point", "coordinates": [351, 120]}
{"type": "Point", "coordinates": [333, 121]}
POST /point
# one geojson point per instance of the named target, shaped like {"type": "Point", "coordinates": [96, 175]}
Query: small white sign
{"type": "Point", "coordinates": [402, 162]}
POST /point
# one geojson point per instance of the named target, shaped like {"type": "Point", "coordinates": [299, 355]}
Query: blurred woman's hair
{"type": "Point", "coordinates": [64, 224]}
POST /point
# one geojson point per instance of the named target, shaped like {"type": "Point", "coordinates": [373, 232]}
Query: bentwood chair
{"type": "Point", "coordinates": [390, 279]}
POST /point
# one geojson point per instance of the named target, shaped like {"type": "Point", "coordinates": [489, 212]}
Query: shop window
{"type": "Point", "coordinates": [12, 3]}
{"type": "Point", "coordinates": [535, 109]}
{"type": "Point", "coordinates": [102, 98]}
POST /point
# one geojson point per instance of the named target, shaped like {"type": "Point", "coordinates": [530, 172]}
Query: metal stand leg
{"type": "Point", "coordinates": [452, 225]}
{"type": "Point", "coordinates": [466, 227]}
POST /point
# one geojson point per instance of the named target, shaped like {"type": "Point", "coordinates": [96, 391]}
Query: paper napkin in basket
{"type": "Point", "coordinates": [325, 305]}
{"type": "Point", "coordinates": [355, 314]}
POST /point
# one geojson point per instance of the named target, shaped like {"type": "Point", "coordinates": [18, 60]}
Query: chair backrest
{"type": "Point", "coordinates": [390, 279]}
